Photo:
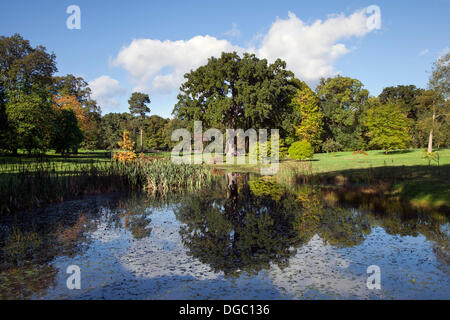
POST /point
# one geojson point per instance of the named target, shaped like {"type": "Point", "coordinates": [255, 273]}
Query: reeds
{"type": "Point", "coordinates": [31, 185]}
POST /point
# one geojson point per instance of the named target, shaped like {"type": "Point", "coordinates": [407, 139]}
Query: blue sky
{"type": "Point", "coordinates": [148, 45]}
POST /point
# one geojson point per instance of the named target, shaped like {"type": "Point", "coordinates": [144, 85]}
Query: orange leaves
{"type": "Point", "coordinates": [72, 103]}
{"type": "Point", "coordinates": [127, 146]}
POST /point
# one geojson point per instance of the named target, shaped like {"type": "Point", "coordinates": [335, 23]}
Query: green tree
{"type": "Point", "coordinates": [343, 101]}
{"type": "Point", "coordinates": [236, 92]}
{"type": "Point", "coordinates": [112, 127]}
{"type": "Point", "coordinates": [23, 69]}
{"type": "Point", "coordinates": [138, 106]}
{"type": "Point", "coordinates": [440, 83]}
{"type": "Point", "coordinates": [93, 138]}
{"type": "Point", "coordinates": [310, 127]}
{"type": "Point", "coordinates": [387, 127]}
{"type": "Point", "coordinates": [154, 133]}
{"type": "Point", "coordinates": [406, 98]}
{"type": "Point", "coordinates": [69, 85]}
{"type": "Point", "coordinates": [440, 124]}
{"type": "Point", "coordinates": [170, 126]}
{"type": "Point", "coordinates": [29, 117]}
{"type": "Point", "coordinates": [66, 134]}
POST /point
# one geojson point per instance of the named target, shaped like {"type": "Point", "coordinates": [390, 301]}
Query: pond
{"type": "Point", "coordinates": [243, 237]}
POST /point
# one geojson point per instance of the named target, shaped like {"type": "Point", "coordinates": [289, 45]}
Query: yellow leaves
{"type": "Point", "coordinates": [126, 143]}
{"type": "Point", "coordinates": [310, 127]}
{"type": "Point", "coordinates": [127, 146]}
{"type": "Point", "coordinates": [125, 156]}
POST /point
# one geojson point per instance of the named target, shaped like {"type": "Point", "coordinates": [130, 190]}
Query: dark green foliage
{"type": "Point", "coordinates": [343, 101]}
{"type": "Point", "coordinates": [30, 120]}
{"type": "Point", "coordinates": [113, 125]}
{"type": "Point", "coordinates": [172, 125]}
{"type": "Point", "coordinates": [138, 104]}
{"type": "Point", "coordinates": [93, 135]}
{"type": "Point", "coordinates": [66, 135]}
{"type": "Point", "coordinates": [154, 133]}
{"type": "Point", "coordinates": [29, 71]}
{"type": "Point", "coordinates": [331, 146]}
{"type": "Point", "coordinates": [236, 92]}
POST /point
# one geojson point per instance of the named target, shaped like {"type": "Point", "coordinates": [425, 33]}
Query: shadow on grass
{"type": "Point", "coordinates": [422, 184]}
{"type": "Point", "coordinates": [81, 158]}
{"type": "Point", "coordinates": [396, 152]}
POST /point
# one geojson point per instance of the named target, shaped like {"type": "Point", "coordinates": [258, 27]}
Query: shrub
{"type": "Point", "coordinates": [331, 145]}
{"type": "Point", "coordinates": [265, 149]}
{"type": "Point", "coordinates": [127, 154]}
{"type": "Point", "coordinates": [301, 150]}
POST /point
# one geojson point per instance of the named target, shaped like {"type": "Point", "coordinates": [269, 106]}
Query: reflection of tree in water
{"type": "Point", "coordinates": [29, 242]}
{"type": "Point", "coordinates": [260, 222]}
{"type": "Point", "coordinates": [336, 226]}
{"type": "Point", "coordinates": [136, 216]}
{"type": "Point", "coordinates": [241, 231]}
{"type": "Point", "coordinates": [399, 218]}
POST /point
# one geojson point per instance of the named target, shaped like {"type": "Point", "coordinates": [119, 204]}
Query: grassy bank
{"type": "Point", "coordinates": [405, 174]}
{"type": "Point", "coordinates": [32, 185]}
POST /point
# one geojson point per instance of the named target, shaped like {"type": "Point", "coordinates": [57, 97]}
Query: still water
{"type": "Point", "coordinates": [243, 237]}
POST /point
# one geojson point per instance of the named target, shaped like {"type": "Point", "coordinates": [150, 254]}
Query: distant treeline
{"type": "Point", "coordinates": [40, 111]}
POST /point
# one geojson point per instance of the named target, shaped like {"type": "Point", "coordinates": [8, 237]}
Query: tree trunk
{"type": "Point", "coordinates": [142, 147]}
{"type": "Point", "coordinates": [430, 139]}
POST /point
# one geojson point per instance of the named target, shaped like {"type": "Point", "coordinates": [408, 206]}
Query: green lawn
{"type": "Point", "coordinates": [321, 163]}
{"type": "Point", "coordinates": [324, 162]}
{"type": "Point", "coordinates": [13, 164]}
{"type": "Point", "coordinates": [339, 161]}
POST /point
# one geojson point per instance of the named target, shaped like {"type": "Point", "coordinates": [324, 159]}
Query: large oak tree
{"type": "Point", "coordinates": [236, 92]}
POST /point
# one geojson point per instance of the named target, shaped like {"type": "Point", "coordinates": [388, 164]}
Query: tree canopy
{"type": "Point", "coordinates": [343, 101]}
{"type": "Point", "coordinates": [236, 92]}
{"type": "Point", "coordinates": [387, 127]}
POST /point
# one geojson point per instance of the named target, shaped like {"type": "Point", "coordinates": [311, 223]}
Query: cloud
{"type": "Point", "coordinates": [160, 65]}
{"type": "Point", "coordinates": [423, 52]}
{"type": "Point", "coordinates": [106, 90]}
{"type": "Point", "coordinates": [234, 31]}
{"type": "Point", "coordinates": [310, 50]}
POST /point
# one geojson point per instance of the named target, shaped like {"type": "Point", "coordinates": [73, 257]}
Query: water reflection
{"type": "Point", "coordinates": [245, 236]}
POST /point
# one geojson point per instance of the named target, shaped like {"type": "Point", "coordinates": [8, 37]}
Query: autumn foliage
{"type": "Point", "coordinates": [127, 153]}
{"type": "Point", "coordinates": [72, 103]}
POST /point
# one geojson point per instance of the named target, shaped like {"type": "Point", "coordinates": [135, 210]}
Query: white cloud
{"type": "Point", "coordinates": [423, 52]}
{"type": "Point", "coordinates": [310, 50]}
{"type": "Point", "coordinates": [234, 31]}
{"type": "Point", "coordinates": [160, 65]}
{"type": "Point", "coordinates": [106, 90]}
